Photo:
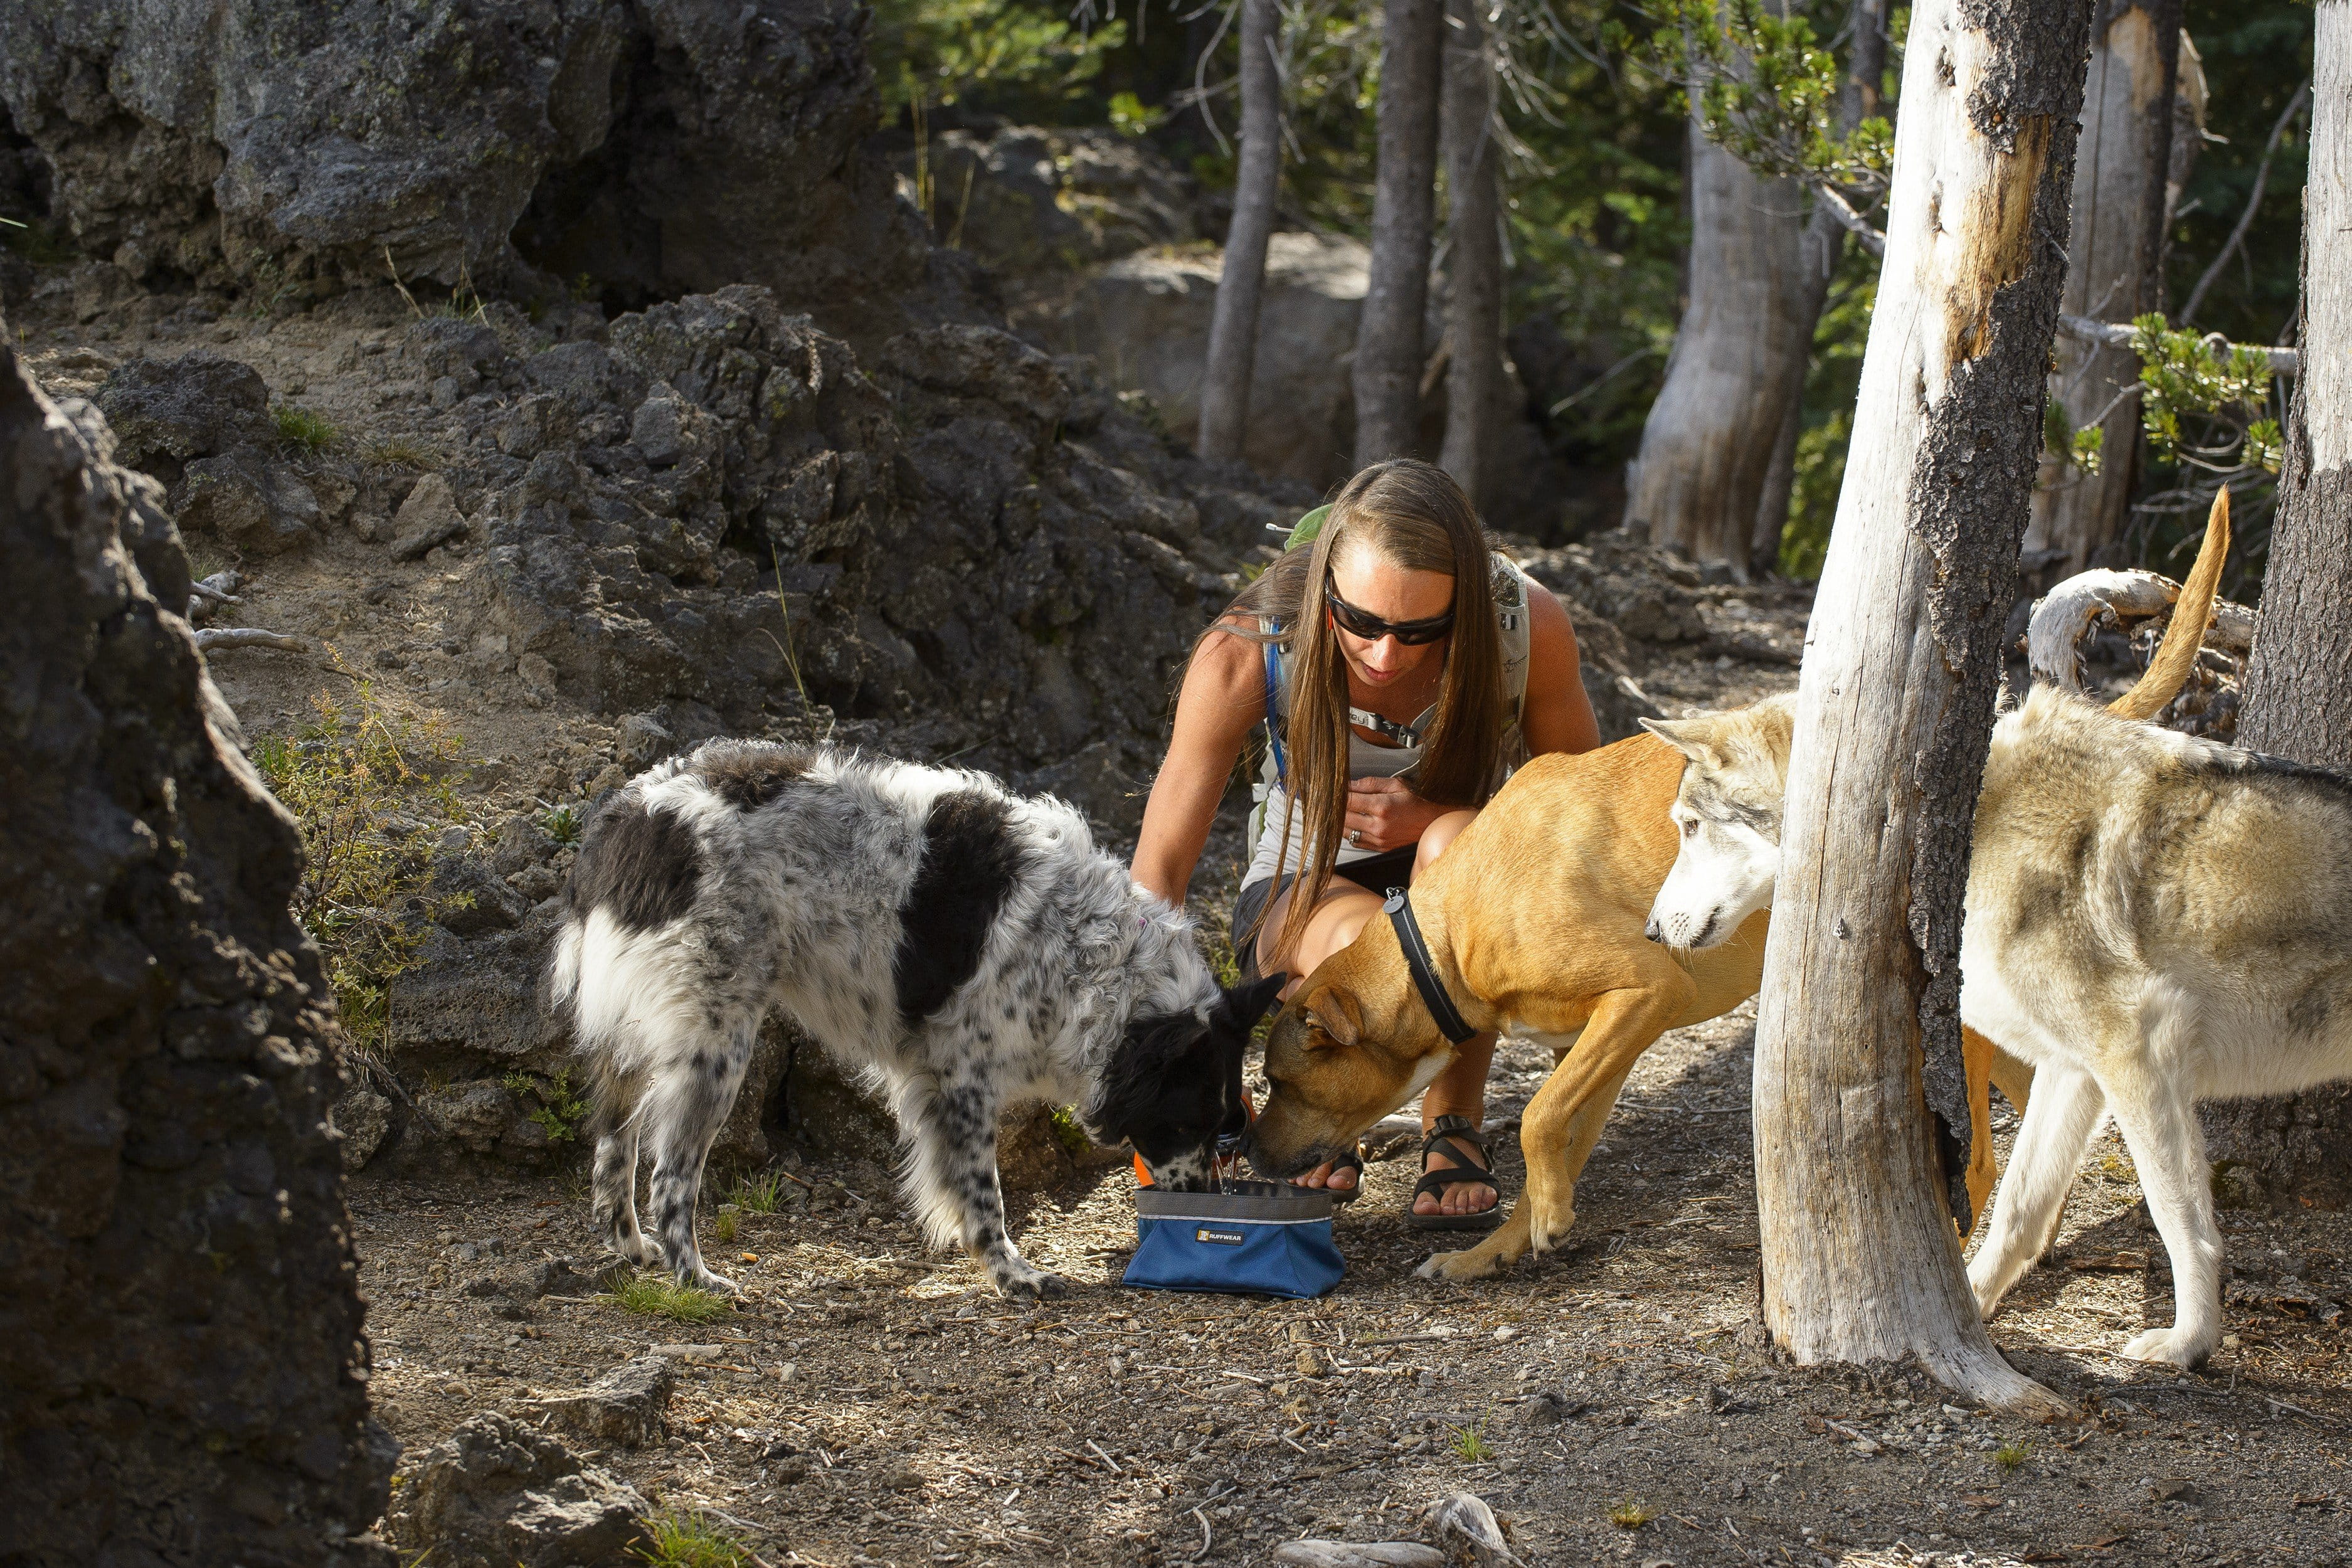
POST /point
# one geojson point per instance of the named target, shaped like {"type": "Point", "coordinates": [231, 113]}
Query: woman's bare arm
{"type": "Point", "coordinates": [1558, 715]}
{"type": "Point", "coordinates": [1223, 698]}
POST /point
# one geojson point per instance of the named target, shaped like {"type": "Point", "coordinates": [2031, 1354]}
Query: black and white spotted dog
{"type": "Point", "coordinates": [965, 947]}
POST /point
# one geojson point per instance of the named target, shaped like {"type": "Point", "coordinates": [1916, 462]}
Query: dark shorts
{"type": "Point", "coordinates": [1377, 873]}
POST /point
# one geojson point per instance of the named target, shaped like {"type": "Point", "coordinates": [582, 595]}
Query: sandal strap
{"type": "Point", "coordinates": [1462, 1143]}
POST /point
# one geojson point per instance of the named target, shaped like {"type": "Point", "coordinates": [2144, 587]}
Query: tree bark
{"type": "Point", "coordinates": [1823, 244]}
{"type": "Point", "coordinates": [2120, 178]}
{"type": "Point", "coordinates": [2298, 691]}
{"type": "Point", "coordinates": [1894, 710]}
{"type": "Point", "coordinates": [1240, 285]}
{"type": "Point", "coordinates": [179, 1312]}
{"type": "Point", "coordinates": [1473, 321]}
{"type": "Point", "coordinates": [1387, 373]}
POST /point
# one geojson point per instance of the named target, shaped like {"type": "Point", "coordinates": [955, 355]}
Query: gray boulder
{"type": "Point", "coordinates": [1145, 320]}
{"type": "Point", "coordinates": [627, 1406]}
{"type": "Point", "coordinates": [495, 1494]}
{"type": "Point", "coordinates": [167, 412]}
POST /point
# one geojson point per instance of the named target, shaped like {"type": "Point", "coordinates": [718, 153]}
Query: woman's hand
{"type": "Point", "coordinates": [1384, 813]}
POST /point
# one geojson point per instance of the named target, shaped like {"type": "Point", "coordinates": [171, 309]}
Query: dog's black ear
{"type": "Point", "coordinates": [1242, 1007]}
{"type": "Point", "coordinates": [1157, 1053]}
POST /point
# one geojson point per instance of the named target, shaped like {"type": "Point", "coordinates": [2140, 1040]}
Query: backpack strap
{"type": "Point", "coordinates": [1274, 706]}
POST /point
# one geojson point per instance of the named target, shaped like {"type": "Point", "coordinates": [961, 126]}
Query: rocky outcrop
{"type": "Point", "coordinates": [201, 424]}
{"type": "Point", "coordinates": [495, 1494]}
{"type": "Point", "coordinates": [179, 1325]}
{"type": "Point", "coordinates": [657, 146]}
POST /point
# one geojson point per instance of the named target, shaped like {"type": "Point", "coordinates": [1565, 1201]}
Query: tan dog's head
{"type": "Point", "coordinates": [1352, 1044]}
{"type": "Point", "coordinates": [1728, 812]}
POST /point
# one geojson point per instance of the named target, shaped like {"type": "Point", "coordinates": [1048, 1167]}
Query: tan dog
{"type": "Point", "coordinates": [1534, 921]}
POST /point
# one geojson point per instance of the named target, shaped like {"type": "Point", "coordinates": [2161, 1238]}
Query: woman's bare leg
{"type": "Point", "coordinates": [1343, 911]}
{"type": "Point", "coordinates": [1461, 1089]}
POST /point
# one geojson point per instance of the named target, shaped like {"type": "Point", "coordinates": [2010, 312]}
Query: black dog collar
{"type": "Point", "coordinates": [1425, 974]}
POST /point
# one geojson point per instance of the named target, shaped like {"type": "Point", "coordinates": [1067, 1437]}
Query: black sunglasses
{"type": "Point", "coordinates": [1371, 628]}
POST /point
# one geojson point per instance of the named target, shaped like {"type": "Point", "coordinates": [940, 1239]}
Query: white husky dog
{"type": "Point", "coordinates": [2152, 920]}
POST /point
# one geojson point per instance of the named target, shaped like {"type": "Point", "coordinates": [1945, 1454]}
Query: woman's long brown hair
{"type": "Point", "coordinates": [1414, 516]}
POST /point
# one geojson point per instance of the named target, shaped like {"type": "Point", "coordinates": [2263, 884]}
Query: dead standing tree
{"type": "Point", "coordinates": [1388, 368]}
{"type": "Point", "coordinates": [1718, 449]}
{"type": "Point", "coordinates": [2116, 238]}
{"type": "Point", "coordinates": [1895, 708]}
{"type": "Point", "coordinates": [2298, 699]}
{"type": "Point", "coordinates": [1241, 284]}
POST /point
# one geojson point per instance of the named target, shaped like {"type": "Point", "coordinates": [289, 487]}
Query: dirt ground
{"type": "Point", "coordinates": [867, 1403]}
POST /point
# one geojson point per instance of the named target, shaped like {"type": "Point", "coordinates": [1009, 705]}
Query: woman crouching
{"type": "Point", "coordinates": [1403, 670]}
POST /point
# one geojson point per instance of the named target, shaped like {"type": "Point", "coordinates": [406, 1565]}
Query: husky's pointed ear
{"type": "Point", "coordinates": [1689, 736]}
{"type": "Point", "coordinates": [1244, 1005]}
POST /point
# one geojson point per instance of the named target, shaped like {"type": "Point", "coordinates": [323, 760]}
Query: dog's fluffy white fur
{"type": "Point", "coordinates": [965, 947]}
{"type": "Point", "coordinates": [2152, 920]}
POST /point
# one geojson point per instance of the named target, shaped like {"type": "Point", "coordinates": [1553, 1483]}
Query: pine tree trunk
{"type": "Point", "coordinates": [1233, 330]}
{"type": "Point", "coordinates": [1708, 444]}
{"type": "Point", "coordinates": [1823, 244]}
{"type": "Point", "coordinates": [1894, 710]}
{"type": "Point", "coordinates": [1473, 325]}
{"type": "Point", "coordinates": [1387, 373]}
{"type": "Point", "coordinates": [2110, 272]}
{"type": "Point", "coordinates": [2299, 678]}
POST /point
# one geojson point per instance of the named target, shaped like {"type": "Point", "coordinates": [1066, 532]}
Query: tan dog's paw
{"type": "Point", "coordinates": [1548, 1212]}
{"type": "Point", "coordinates": [1506, 1245]}
{"type": "Point", "coordinates": [1461, 1267]}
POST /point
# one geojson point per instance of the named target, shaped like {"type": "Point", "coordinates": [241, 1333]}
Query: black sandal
{"type": "Point", "coordinates": [1464, 1144]}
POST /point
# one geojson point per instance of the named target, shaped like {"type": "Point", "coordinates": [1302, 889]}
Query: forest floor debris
{"type": "Point", "coordinates": [868, 1402]}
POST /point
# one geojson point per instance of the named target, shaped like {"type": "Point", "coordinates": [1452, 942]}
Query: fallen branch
{"type": "Point", "coordinates": [1469, 1529]}
{"type": "Point", "coordinates": [211, 640]}
{"type": "Point", "coordinates": [2121, 334]}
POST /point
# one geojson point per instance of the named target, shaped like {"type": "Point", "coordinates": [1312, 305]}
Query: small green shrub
{"type": "Point", "coordinates": [683, 1539]}
{"type": "Point", "coordinates": [561, 823]}
{"type": "Point", "coordinates": [661, 1296]}
{"type": "Point", "coordinates": [760, 1194]}
{"type": "Point", "coordinates": [303, 430]}
{"type": "Point", "coordinates": [2009, 1456]}
{"type": "Point", "coordinates": [562, 1107]}
{"type": "Point", "coordinates": [1470, 1444]}
{"type": "Point", "coordinates": [1068, 1134]}
{"type": "Point", "coordinates": [348, 776]}
{"type": "Point", "coordinates": [727, 1222]}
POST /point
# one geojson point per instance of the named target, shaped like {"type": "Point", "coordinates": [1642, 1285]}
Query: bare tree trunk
{"type": "Point", "coordinates": [1474, 328]}
{"type": "Point", "coordinates": [1387, 373]}
{"type": "Point", "coordinates": [1894, 710]}
{"type": "Point", "coordinates": [1232, 331]}
{"type": "Point", "coordinates": [2298, 699]}
{"type": "Point", "coordinates": [1824, 243]}
{"type": "Point", "coordinates": [1709, 443]}
{"type": "Point", "coordinates": [2112, 275]}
